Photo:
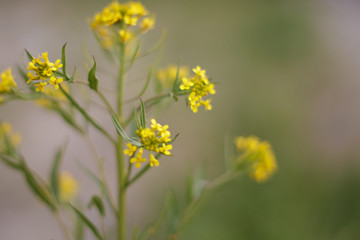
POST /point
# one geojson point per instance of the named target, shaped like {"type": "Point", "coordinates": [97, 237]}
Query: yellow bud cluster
{"type": "Point", "coordinates": [7, 81]}
{"type": "Point", "coordinates": [123, 16]}
{"type": "Point", "coordinates": [7, 137]}
{"type": "Point", "coordinates": [167, 76]}
{"type": "Point", "coordinates": [44, 71]}
{"type": "Point", "coordinates": [199, 87]}
{"type": "Point", "coordinates": [154, 139]}
{"type": "Point", "coordinates": [259, 155]}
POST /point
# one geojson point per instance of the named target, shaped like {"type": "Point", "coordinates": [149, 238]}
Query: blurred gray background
{"type": "Point", "coordinates": [287, 71]}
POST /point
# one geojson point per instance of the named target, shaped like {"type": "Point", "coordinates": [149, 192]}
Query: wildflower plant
{"type": "Point", "coordinates": [117, 27]}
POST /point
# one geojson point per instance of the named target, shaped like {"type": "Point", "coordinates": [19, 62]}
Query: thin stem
{"type": "Point", "coordinates": [138, 175]}
{"type": "Point", "coordinates": [121, 171]}
{"type": "Point", "coordinates": [86, 115]}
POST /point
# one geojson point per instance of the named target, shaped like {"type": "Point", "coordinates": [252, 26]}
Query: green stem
{"type": "Point", "coordinates": [121, 172]}
{"type": "Point", "coordinates": [86, 115]}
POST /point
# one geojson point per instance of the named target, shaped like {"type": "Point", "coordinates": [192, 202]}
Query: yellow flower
{"type": "Point", "coordinates": [132, 149]}
{"type": "Point", "coordinates": [259, 155]}
{"type": "Point", "coordinates": [120, 16]}
{"type": "Point", "coordinates": [165, 149]}
{"type": "Point", "coordinates": [40, 86]}
{"type": "Point", "coordinates": [147, 23]}
{"type": "Point", "coordinates": [153, 161]}
{"type": "Point", "coordinates": [7, 81]}
{"type": "Point", "coordinates": [68, 186]}
{"type": "Point", "coordinates": [125, 36]}
{"type": "Point", "coordinates": [44, 70]}
{"type": "Point", "coordinates": [138, 159]}
{"type": "Point", "coordinates": [55, 81]}
{"type": "Point", "coordinates": [199, 87]}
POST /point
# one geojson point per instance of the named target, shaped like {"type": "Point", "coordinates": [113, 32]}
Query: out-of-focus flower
{"type": "Point", "coordinates": [68, 186]}
{"type": "Point", "coordinates": [258, 155]}
{"type": "Point", "coordinates": [7, 81]}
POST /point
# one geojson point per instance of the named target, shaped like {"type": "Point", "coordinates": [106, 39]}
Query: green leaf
{"type": "Point", "coordinates": [142, 114]}
{"type": "Point", "coordinates": [120, 130]}
{"type": "Point", "coordinates": [176, 82]}
{"type": "Point", "coordinates": [54, 174]}
{"type": "Point", "coordinates": [136, 116]}
{"type": "Point", "coordinates": [98, 203]}
{"type": "Point", "coordinates": [11, 162]}
{"type": "Point", "coordinates": [63, 60]}
{"type": "Point", "coordinates": [29, 55]}
{"type": "Point", "coordinates": [93, 81]}
{"type": "Point", "coordinates": [88, 223]}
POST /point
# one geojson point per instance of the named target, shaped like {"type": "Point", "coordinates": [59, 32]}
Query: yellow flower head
{"type": "Point", "coordinates": [120, 17]}
{"type": "Point", "coordinates": [68, 187]}
{"type": "Point", "coordinates": [199, 87]}
{"type": "Point", "coordinates": [7, 81]}
{"type": "Point", "coordinates": [259, 155]}
{"type": "Point", "coordinates": [154, 139]}
{"type": "Point", "coordinates": [167, 76]}
{"type": "Point", "coordinates": [43, 70]}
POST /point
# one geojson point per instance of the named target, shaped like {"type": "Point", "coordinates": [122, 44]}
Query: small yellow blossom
{"type": "Point", "coordinates": [7, 81]}
{"type": "Point", "coordinates": [55, 81]}
{"type": "Point", "coordinates": [138, 159]}
{"type": "Point", "coordinates": [167, 76]}
{"type": "Point", "coordinates": [199, 87]}
{"type": "Point", "coordinates": [68, 186]}
{"type": "Point", "coordinates": [165, 149]}
{"type": "Point", "coordinates": [131, 150]}
{"type": "Point", "coordinates": [125, 36]}
{"type": "Point", "coordinates": [153, 161]}
{"type": "Point", "coordinates": [259, 155]}
{"type": "Point", "coordinates": [40, 86]}
{"type": "Point", "coordinates": [147, 23]}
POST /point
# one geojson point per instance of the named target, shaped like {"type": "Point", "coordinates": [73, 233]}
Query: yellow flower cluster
{"type": "Point", "coordinates": [167, 76]}
{"type": "Point", "coordinates": [44, 70]}
{"type": "Point", "coordinates": [259, 155]}
{"type": "Point", "coordinates": [7, 81]}
{"type": "Point", "coordinates": [123, 16]}
{"type": "Point", "coordinates": [8, 137]}
{"type": "Point", "coordinates": [199, 87]}
{"type": "Point", "coordinates": [154, 139]}
{"type": "Point", "coordinates": [68, 186]}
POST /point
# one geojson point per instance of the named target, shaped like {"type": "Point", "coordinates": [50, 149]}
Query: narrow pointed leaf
{"type": "Point", "coordinates": [87, 222]}
{"type": "Point", "coordinates": [134, 54]}
{"type": "Point", "coordinates": [136, 116]}
{"type": "Point", "coordinates": [142, 114]}
{"type": "Point", "coordinates": [63, 61]}
{"type": "Point", "coordinates": [176, 82]}
{"type": "Point", "coordinates": [93, 81]}
{"type": "Point", "coordinates": [22, 73]}
{"type": "Point", "coordinates": [98, 203]}
{"type": "Point", "coordinates": [29, 55]}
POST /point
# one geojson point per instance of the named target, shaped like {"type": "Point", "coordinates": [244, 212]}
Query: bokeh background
{"type": "Point", "coordinates": [287, 71]}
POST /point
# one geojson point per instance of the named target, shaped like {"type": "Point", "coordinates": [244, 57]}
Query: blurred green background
{"type": "Point", "coordinates": [286, 72]}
